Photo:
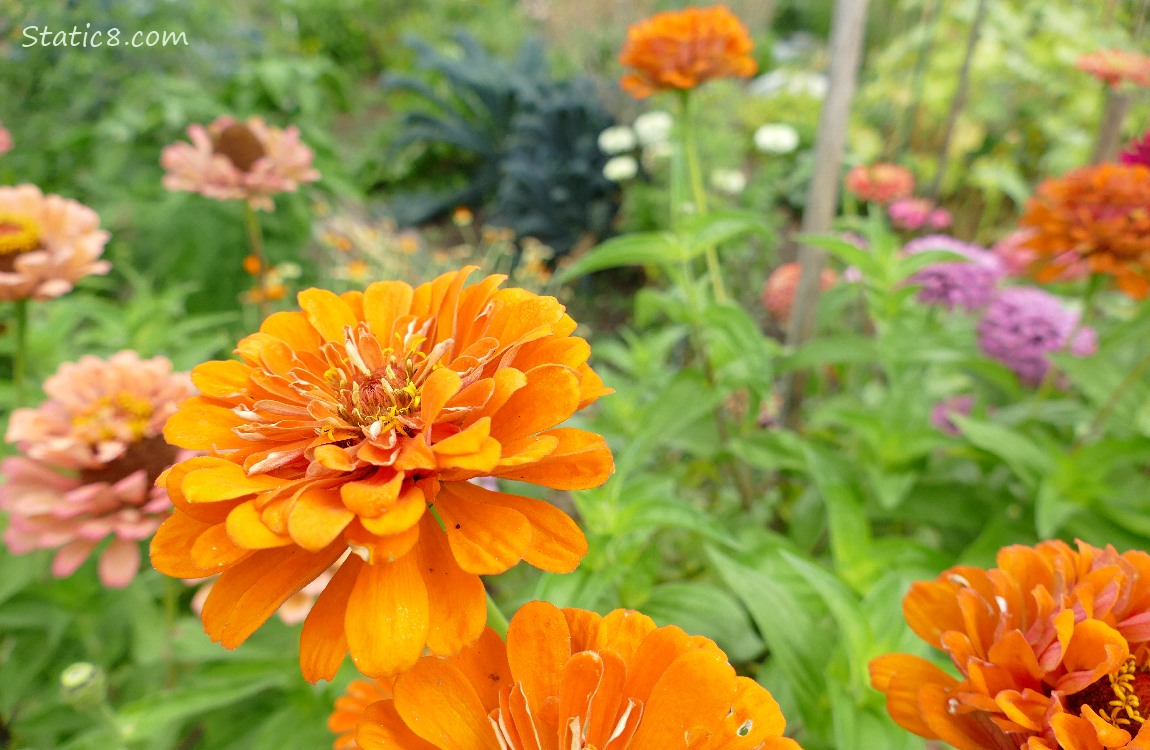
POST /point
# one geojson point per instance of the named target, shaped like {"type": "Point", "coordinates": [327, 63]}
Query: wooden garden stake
{"type": "Point", "coordinates": [848, 28]}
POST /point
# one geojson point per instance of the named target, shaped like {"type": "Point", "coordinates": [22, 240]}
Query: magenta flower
{"type": "Point", "coordinates": [232, 160]}
{"type": "Point", "coordinates": [5, 140]}
{"type": "Point", "coordinates": [913, 214]}
{"type": "Point", "coordinates": [966, 284]}
{"type": "Point", "coordinates": [1138, 152]}
{"type": "Point", "coordinates": [90, 456]}
{"type": "Point", "coordinates": [940, 415]}
{"type": "Point", "coordinates": [1022, 326]}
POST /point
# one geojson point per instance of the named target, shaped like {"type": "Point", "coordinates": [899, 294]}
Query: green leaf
{"type": "Point", "coordinates": [717, 228]}
{"type": "Point", "coordinates": [648, 248]}
{"type": "Point", "coordinates": [849, 528]}
{"type": "Point", "coordinates": [701, 608]}
{"type": "Point", "coordinates": [848, 252]}
{"type": "Point", "coordinates": [1029, 462]}
{"type": "Point", "coordinates": [672, 513]}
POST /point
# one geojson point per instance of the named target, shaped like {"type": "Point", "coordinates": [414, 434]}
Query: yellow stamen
{"type": "Point", "coordinates": [18, 234]}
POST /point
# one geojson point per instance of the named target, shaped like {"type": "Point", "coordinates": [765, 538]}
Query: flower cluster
{"type": "Point", "coordinates": [1095, 216]}
{"type": "Point", "coordinates": [89, 459]}
{"type": "Point", "coordinates": [232, 160]}
{"type": "Point", "coordinates": [337, 430]}
{"type": "Point", "coordinates": [880, 183]}
{"type": "Point", "coordinates": [47, 244]}
{"type": "Point", "coordinates": [1052, 648]}
{"type": "Point", "coordinates": [914, 214]}
{"type": "Point", "coordinates": [680, 50]}
{"type": "Point", "coordinates": [570, 679]}
{"type": "Point", "coordinates": [1023, 326]}
{"type": "Point", "coordinates": [967, 285]}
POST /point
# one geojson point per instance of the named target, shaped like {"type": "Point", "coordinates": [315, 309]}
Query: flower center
{"type": "Point", "coordinates": [1123, 698]}
{"type": "Point", "coordinates": [18, 234]}
{"type": "Point", "coordinates": [385, 397]}
{"type": "Point", "coordinates": [153, 455]}
{"type": "Point", "coordinates": [123, 416]}
{"type": "Point", "coordinates": [240, 145]}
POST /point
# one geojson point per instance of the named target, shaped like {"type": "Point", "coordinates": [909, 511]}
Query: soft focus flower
{"type": "Point", "coordinates": [462, 216]}
{"type": "Point", "coordinates": [47, 244]}
{"type": "Point", "coordinates": [232, 160]}
{"type": "Point", "coordinates": [574, 679]}
{"type": "Point", "coordinates": [941, 413]}
{"type": "Point", "coordinates": [350, 707]}
{"type": "Point", "coordinates": [617, 139]}
{"type": "Point", "coordinates": [5, 140]}
{"type": "Point", "coordinates": [679, 50]}
{"type": "Point", "coordinates": [1097, 216]}
{"type": "Point", "coordinates": [620, 168]}
{"type": "Point", "coordinates": [776, 138]}
{"type": "Point", "coordinates": [1017, 257]}
{"type": "Point", "coordinates": [794, 82]}
{"type": "Point", "coordinates": [1051, 647]}
{"type": "Point", "coordinates": [1115, 67]}
{"type": "Point", "coordinates": [341, 425]}
{"type": "Point", "coordinates": [778, 294]}
{"type": "Point", "coordinates": [653, 128]}
{"type": "Point", "coordinates": [89, 459]}
{"type": "Point", "coordinates": [880, 183]}
{"type": "Point", "coordinates": [1138, 152]}
{"type": "Point", "coordinates": [1023, 325]}
{"type": "Point", "coordinates": [966, 284]}
{"type": "Point", "coordinates": [913, 214]}
{"type": "Point", "coordinates": [729, 181]}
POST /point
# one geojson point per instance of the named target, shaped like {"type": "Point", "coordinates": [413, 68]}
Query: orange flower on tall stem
{"type": "Point", "coordinates": [1052, 648]}
{"type": "Point", "coordinates": [680, 50]}
{"type": "Point", "coordinates": [342, 426]}
{"type": "Point", "coordinates": [574, 679]}
{"type": "Point", "coordinates": [1096, 217]}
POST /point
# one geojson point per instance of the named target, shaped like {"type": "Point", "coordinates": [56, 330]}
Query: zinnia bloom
{"type": "Point", "coordinates": [679, 50]}
{"type": "Point", "coordinates": [966, 284]}
{"type": "Point", "coordinates": [880, 183]}
{"type": "Point", "coordinates": [47, 244]}
{"type": "Point", "coordinates": [350, 707]}
{"type": "Point", "coordinates": [1115, 67]}
{"type": "Point", "coordinates": [1023, 326]}
{"type": "Point", "coordinates": [231, 160]}
{"type": "Point", "coordinates": [338, 429]}
{"type": "Point", "coordinates": [1052, 650]}
{"type": "Point", "coordinates": [1098, 216]}
{"type": "Point", "coordinates": [573, 679]}
{"type": "Point", "coordinates": [90, 457]}
{"type": "Point", "coordinates": [1138, 152]}
{"type": "Point", "coordinates": [913, 214]}
{"type": "Point", "coordinates": [778, 294]}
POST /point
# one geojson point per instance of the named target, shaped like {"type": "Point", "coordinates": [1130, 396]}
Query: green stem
{"type": "Point", "coordinates": [256, 241]}
{"type": "Point", "coordinates": [698, 193]}
{"type": "Point", "coordinates": [20, 352]}
{"type": "Point", "coordinates": [1111, 404]}
{"type": "Point", "coordinates": [496, 620]}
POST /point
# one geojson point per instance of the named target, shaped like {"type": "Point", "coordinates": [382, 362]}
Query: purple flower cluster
{"type": "Point", "coordinates": [968, 284]}
{"type": "Point", "coordinates": [1023, 325]}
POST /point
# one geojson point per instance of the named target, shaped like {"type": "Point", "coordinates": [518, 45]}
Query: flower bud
{"type": "Point", "coordinates": [83, 685]}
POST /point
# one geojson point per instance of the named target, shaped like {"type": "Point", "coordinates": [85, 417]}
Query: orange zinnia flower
{"type": "Point", "coordinates": [1098, 217]}
{"type": "Point", "coordinates": [341, 426]}
{"type": "Point", "coordinates": [573, 679]}
{"type": "Point", "coordinates": [1052, 648]}
{"type": "Point", "coordinates": [680, 50]}
{"type": "Point", "coordinates": [1115, 66]}
{"type": "Point", "coordinates": [350, 706]}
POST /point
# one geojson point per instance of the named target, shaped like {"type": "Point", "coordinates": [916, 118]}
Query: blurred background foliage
{"type": "Point", "coordinates": [409, 120]}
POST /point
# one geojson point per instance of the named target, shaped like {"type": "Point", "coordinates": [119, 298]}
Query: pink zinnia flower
{"type": "Point", "coordinates": [47, 244]}
{"type": "Point", "coordinates": [913, 214]}
{"type": "Point", "coordinates": [1023, 326]}
{"type": "Point", "coordinates": [880, 183]}
{"type": "Point", "coordinates": [1116, 66]}
{"type": "Point", "coordinates": [90, 457]}
{"type": "Point", "coordinates": [1138, 152]}
{"type": "Point", "coordinates": [5, 140]}
{"type": "Point", "coordinates": [1017, 257]}
{"type": "Point", "coordinates": [778, 293]}
{"type": "Point", "coordinates": [232, 160]}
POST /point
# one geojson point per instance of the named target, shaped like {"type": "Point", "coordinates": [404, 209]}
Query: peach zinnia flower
{"type": "Point", "coordinates": [338, 429]}
{"type": "Point", "coordinates": [1052, 648]}
{"type": "Point", "coordinates": [880, 183]}
{"type": "Point", "coordinates": [778, 293]}
{"type": "Point", "coordinates": [91, 455]}
{"type": "Point", "coordinates": [1115, 67]}
{"type": "Point", "coordinates": [573, 679]}
{"type": "Point", "coordinates": [47, 244]}
{"type": "Point", "coordinates": [679, 50]}
{"type": "Point", "coordinates": [1095, 216]}
{"type": "Point", "coordinates": [231, 160]}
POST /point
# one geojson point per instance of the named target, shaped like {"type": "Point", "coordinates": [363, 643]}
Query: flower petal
{"type": "Point", "coordinates": [323, 642]}
{"type": "Point", "coordinates": [387, 617]}
{"type": "Point", "coordinates": [485, 538]}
